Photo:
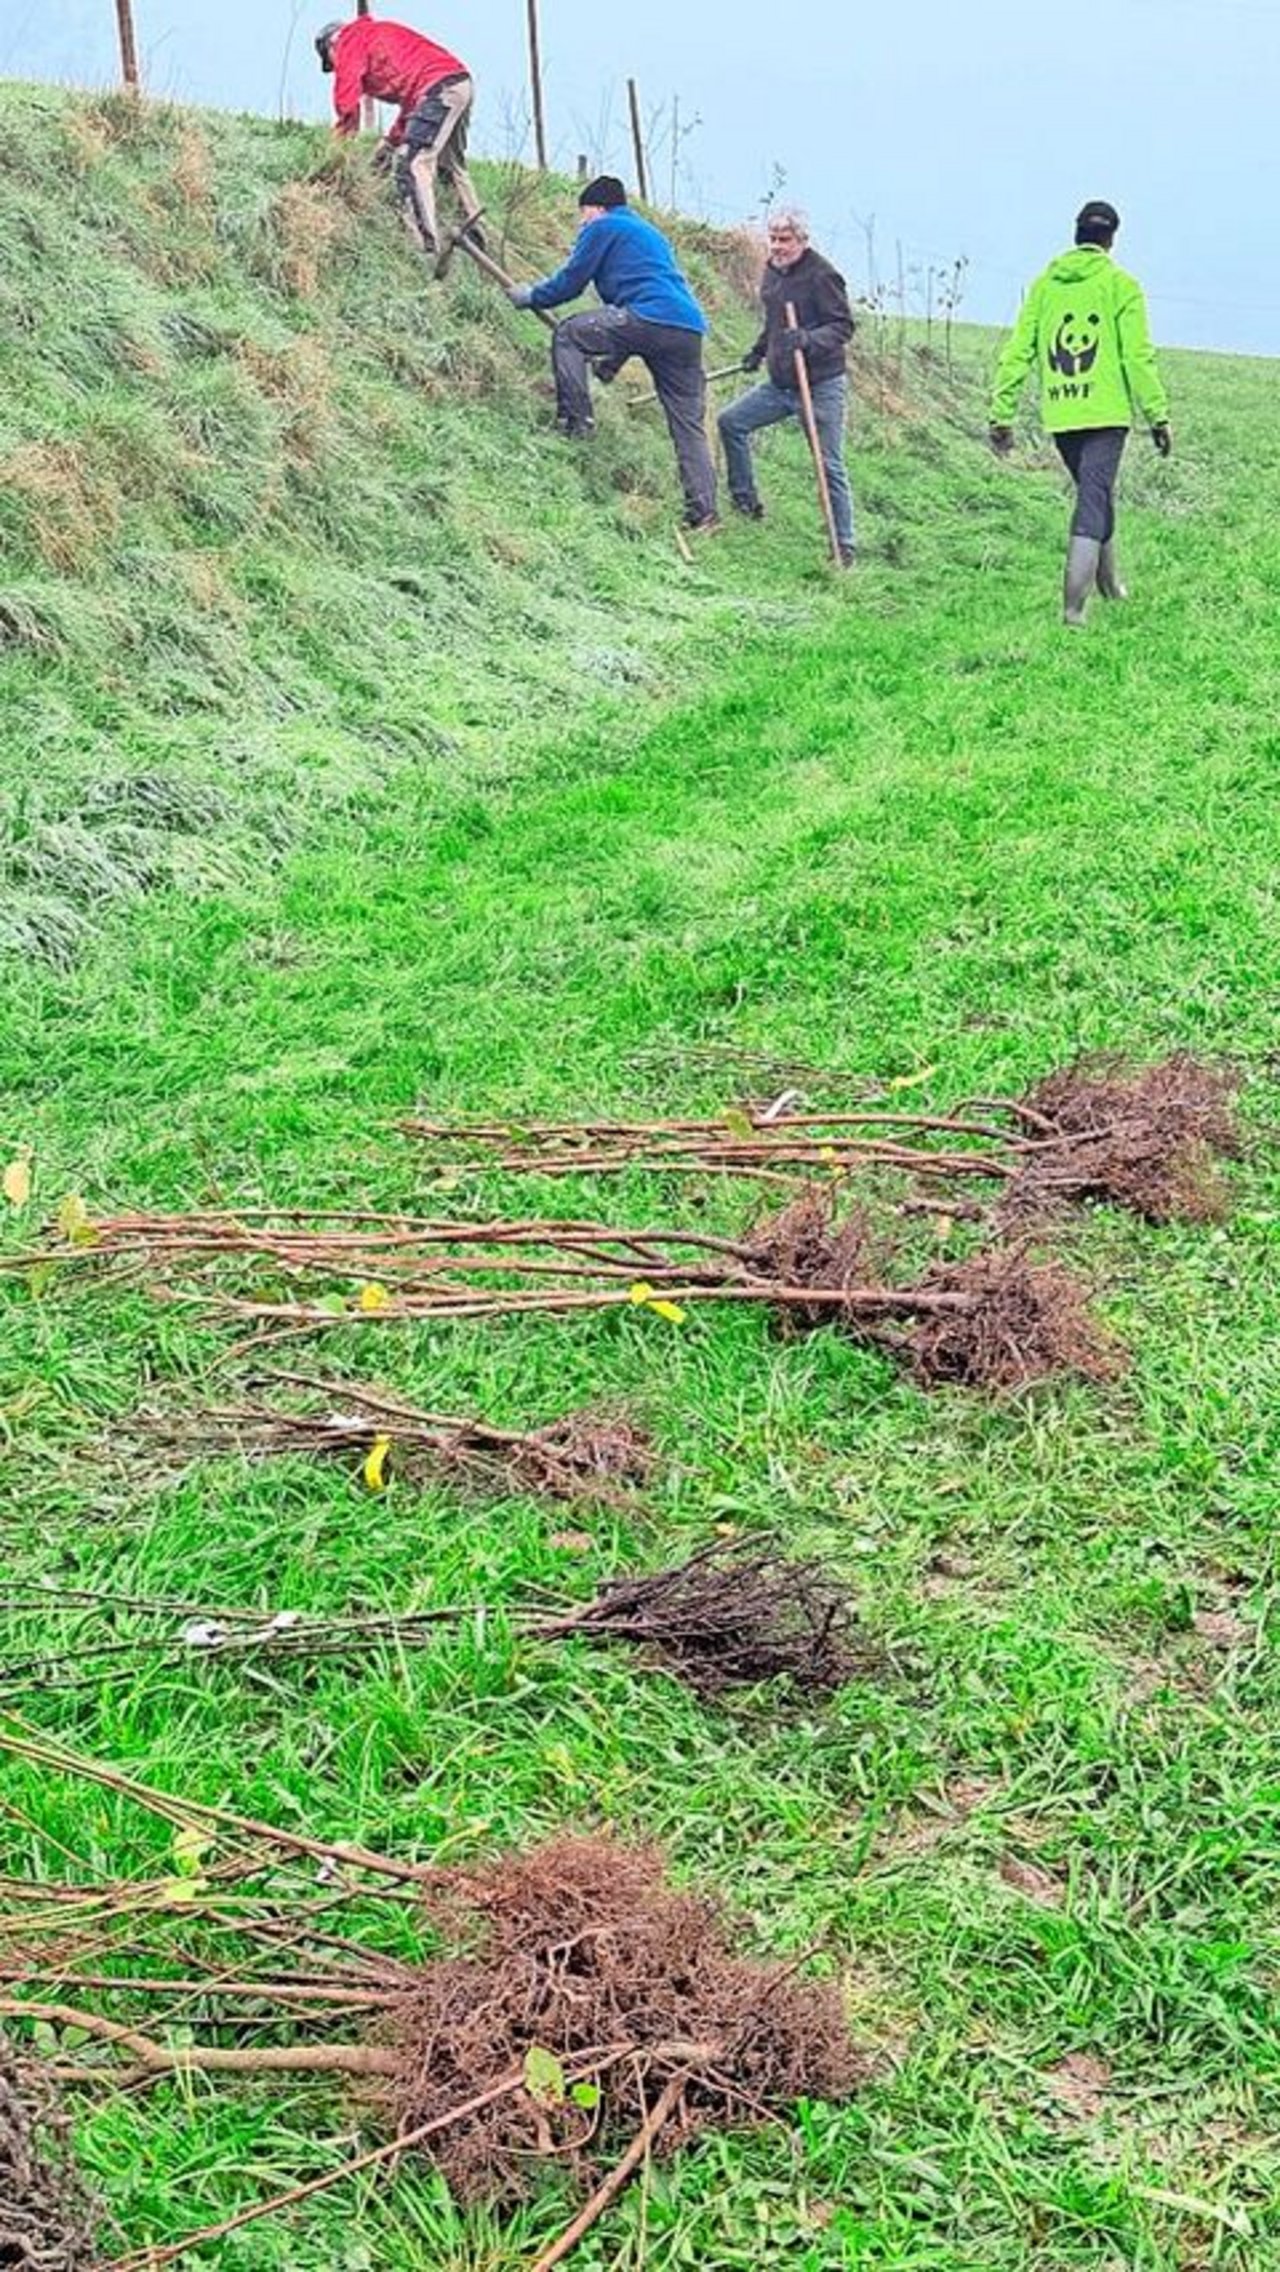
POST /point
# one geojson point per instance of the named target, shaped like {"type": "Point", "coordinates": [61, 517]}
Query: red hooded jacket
{"type": "Point", "coordinates": [390, 63]}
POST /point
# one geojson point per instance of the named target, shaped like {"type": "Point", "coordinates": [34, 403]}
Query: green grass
{"type": "Point", "coordinates": [906, 825]}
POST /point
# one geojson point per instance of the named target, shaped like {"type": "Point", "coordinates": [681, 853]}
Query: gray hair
{"type": "Point", "coordinates": [793, 214]}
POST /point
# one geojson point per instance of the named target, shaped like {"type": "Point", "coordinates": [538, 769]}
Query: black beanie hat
{"type": "Point", "coordinates": [606, 191]}
{"type": "Point", "coordinates": [1096, 222]}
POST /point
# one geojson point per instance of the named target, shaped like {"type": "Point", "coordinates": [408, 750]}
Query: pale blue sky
{"type": "Point", "coordinates": [974, 130]}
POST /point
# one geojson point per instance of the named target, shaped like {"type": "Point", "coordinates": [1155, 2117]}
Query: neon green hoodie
{"type": "Point", "coordinates": [1083, 325]}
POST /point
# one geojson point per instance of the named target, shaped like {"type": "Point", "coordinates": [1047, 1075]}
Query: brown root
{"type": "Point", "coordinates": [45, 2222]}
{"type": "Point", "coordinates": [1142, 1137]}
{"type": "Point", "coordinates": [736, 1614]}
{"type": "Point", "coordinates": [1019, 1322]}
{"type": "Point", "coordinates": [580, 1950]}
{"type": "Point", "coordinates": [584, 1455]}
{"type": "Point", "coordinates": [804, 1245]}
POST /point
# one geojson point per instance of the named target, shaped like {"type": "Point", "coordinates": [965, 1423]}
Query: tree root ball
{"type": "Point", "coordinates": [569, 1952]}
{"type": "Point", "coordinates": [45, 2223]}
{"type": "Point", "coordinates": [1141, 1137]}
{"type": "Point", "coordinates": [1019, 1322]}
{"type": "Point", "coordinates": [805, 1245]}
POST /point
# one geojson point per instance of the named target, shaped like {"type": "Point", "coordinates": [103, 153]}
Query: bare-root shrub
{"type": "Point", "coordinates": [588, 1453]}
{"type": "Point", "coordinates": [733, 1615]}
{"type": "Point", "coordinates": [1143, 1137]}
{"type": "Point", "coordinates": [1016, 1322]}
{"type": "Point", "coordinates": [580, 1952]}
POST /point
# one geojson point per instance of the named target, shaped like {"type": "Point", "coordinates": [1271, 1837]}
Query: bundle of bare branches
{"type": "Point", "coordinates": [734, 1614]}
{"type": "Point", "coordinates": [578, 2010]}
{"type": "Point", "coordinates": [805, 1267]}
{"type": "Point", "coordinates": [583, 1455]}
{"type": "Point", "coordinates": [1135, 1136]}
{"type": "Point", "coordinates": [775, 1142]}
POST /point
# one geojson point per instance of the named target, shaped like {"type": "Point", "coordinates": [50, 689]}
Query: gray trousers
{"type": "Point", "coordinates": [609, 337]}
{"type": "Point", "coordinates": [1092, 458]}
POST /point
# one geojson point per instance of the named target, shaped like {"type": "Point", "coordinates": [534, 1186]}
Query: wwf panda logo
{"type": "Point", "coordinates": [1074, 348]}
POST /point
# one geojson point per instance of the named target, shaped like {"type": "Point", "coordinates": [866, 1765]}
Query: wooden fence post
{"type": "Point", "coordinates": [128, 44]}
{"type": "Point", "coordinates": [637, 139]}
{"type": "Point", "coordinates": [535, 82]}
{"type": "Point", "coordinates": [368, 107]}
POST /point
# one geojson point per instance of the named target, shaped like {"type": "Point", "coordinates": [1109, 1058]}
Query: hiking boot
{"type": "Point", "coordinates": [1081, 575]}
{"type": "Point", "coordinates": [750, 508]}
{"type": "Point", "coordinates": [847, 556]}
{"type": "Point", "coordinates": [575, 429]}
{"type": "Point", "coordinates": [710, 525]}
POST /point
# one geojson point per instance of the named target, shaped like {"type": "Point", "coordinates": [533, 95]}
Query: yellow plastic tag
{"type": "Point", "coordinates": [375, 1466]}
{"type": "Point", "coordinates": [644, 1298]}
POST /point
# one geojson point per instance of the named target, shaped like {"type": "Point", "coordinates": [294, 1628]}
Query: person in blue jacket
{"type": "Point", "coordinates": [647, 310]}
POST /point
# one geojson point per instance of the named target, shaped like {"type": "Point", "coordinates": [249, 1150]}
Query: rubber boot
{"type": "Point", "coordinates": [1109, 580]}
{"type": "Point", "coordinates": [1081, 575]}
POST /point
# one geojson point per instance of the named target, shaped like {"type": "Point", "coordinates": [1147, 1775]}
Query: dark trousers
{"type": "Point", "coordinates": [1092, 458]}
{"type": "Point", "coordinates": [673, 358]}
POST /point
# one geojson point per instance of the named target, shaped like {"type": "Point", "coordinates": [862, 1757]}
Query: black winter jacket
{"type": "Point", "coordinates": [822, 312]}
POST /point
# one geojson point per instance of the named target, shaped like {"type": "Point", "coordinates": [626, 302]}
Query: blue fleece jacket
{"type": "Point", "coordinates": [631, 265]}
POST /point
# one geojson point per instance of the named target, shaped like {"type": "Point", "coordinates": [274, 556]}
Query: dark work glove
{"type": "Point", "coordinates": [1001, 438]}
{"type": "Point", "coordinates": [384, 157]}
{"type": "Point", "coordinates": [1162, 436]}
{"type": "Point", "coordinates": [605, 371]}
{"type": "Point", "coordinates": [753, 358]}
{"type": "Point", "coordinates": [795, 339]}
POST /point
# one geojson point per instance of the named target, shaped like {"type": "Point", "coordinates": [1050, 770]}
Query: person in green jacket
{"type": "Point", "coordinates": [1083, 326]}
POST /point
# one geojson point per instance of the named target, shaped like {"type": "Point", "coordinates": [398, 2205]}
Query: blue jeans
{"type": "Point", "coordinates": [765, 406]}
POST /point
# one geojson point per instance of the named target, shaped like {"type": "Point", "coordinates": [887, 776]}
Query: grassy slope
{"type": "Point", "coordinates": [274, 519]}
{"type": "Point", "coordinates": [928, 831]}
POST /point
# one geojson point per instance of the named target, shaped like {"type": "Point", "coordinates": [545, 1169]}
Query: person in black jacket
{"type": "Point", "coordinates": [798, 276]}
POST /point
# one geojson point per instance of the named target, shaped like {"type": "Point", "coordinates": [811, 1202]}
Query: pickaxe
{"type": "Point", "coordinates": [461, 242]}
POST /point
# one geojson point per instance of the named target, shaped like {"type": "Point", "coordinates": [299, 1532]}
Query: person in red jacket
{"type": "Point", "coordinates": [433, 92]}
